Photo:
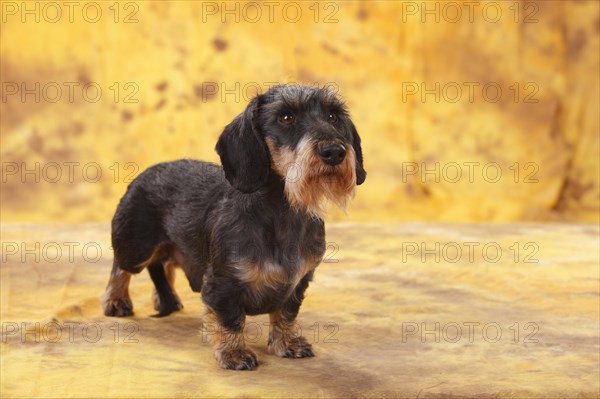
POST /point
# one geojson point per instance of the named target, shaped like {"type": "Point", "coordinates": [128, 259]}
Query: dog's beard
{"type": "Point", "coordinates": [310, 184]}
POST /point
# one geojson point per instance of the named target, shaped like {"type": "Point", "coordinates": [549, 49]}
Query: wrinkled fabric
{"type": "Point", "coordinates": [389, 315]}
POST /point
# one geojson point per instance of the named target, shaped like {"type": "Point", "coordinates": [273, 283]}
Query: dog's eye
{"type": "Point", "coordinates": [287, 119]}
{"type": "Point", "coordinates": [333, 118]}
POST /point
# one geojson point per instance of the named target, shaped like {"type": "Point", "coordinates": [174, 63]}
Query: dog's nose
{"type": "Point", "coordinates": [332, 154]}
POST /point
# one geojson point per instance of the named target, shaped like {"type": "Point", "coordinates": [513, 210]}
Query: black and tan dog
{"type": "Point", "coordinates": [250, 234]}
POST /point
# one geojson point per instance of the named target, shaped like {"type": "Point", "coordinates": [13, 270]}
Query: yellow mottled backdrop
{"type": "Point", "coordinates": [476, 111]}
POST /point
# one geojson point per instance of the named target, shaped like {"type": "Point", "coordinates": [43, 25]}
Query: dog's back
{"type": "Point", "coordinates": [167, 202]}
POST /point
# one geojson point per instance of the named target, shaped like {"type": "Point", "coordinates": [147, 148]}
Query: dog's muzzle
{"type": "Point", "coordinates": [332, 154]}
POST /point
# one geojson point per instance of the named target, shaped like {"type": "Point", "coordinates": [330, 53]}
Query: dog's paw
{"type": "Point", "coordinates": [119, 307]}
{"type": "Point", "coordinates": [293, 348]}
{"type": "Point", "coordinates": [237, 359]}
{"type": "Point", "coordinates": [173, 305]}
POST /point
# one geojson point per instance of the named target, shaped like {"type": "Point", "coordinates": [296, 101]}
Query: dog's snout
{"type": "Point", "coordinates": [332, 154]}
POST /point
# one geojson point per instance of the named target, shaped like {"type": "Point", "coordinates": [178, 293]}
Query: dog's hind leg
{"type": "Point", "coordinates": [116, 300]}
{"type": "Point", "coordinates": [164, 297]}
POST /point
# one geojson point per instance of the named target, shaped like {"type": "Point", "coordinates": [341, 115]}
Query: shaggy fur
{"type": "Point", "coordinates": [248, 235]}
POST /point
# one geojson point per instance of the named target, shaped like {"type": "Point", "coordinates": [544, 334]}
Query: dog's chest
{"type": "Point", "coordinates": [271, 262]}
{"type": "Point", "coordinates": [269, 278]}
{"type": "Point", "coordinates": [268, 284]}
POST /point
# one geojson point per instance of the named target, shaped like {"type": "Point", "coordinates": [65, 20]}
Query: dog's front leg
{"type": "Point", "coordinates": [228, 342]}
{"type": "Point", "coordinates": [224, 323]}
{"type": "Point", "coordinates": [284, 334]}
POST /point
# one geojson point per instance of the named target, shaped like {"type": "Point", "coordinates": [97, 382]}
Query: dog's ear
{"type": "Point", "coordinates": [243, 151]}
{"type": "Point", "coordinates": [361, 174]}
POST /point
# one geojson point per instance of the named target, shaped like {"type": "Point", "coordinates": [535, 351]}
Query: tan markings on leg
{"type": "Point", "coordinates": [285, 339]}
{"type": "Point", "coordinates": [116, 300]}
{"type": "Point", "coordinates": [230, 348]}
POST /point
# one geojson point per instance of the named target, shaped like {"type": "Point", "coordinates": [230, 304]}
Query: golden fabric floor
{"type": "Point", "coordinates": [410, 310]}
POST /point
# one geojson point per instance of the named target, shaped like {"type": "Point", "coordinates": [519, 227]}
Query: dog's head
{"type": "Point", "coordinates": [305, 136]}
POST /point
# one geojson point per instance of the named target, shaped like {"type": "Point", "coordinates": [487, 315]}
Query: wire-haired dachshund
{"type": "Point", "coordinates": [249, 234]}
